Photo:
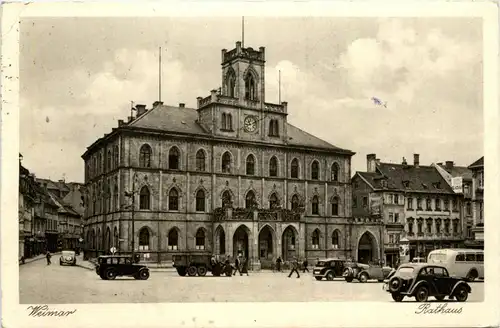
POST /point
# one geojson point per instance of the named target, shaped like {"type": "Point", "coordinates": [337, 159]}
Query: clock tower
{"type": "Point", "coordinates": [238, 109]}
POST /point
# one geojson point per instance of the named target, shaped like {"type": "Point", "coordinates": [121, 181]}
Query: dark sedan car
{"type": "Point", "coordinates": [421, 280]}
{"type": "Point", "coordinates": [110, 266]}
{"type": "Point", "coordinates": [329, 269]}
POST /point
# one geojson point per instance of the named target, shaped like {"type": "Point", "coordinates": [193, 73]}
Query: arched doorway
{"type": "Point", "coordinates": [367, 248]}
{"type": "Point", "coordinates": [220, 241]}
{"type": "Point", "coordinates": [240, 241]}
{"type": "Point", "coordinates": [289, 243]}
{"type": "Point", "coordinates": [266, 247]}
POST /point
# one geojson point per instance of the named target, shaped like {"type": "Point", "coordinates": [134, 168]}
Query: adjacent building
{"type": "Point", "coordinates": [27, 203]}
{"type": "Point", "coordinates": [477, 169]}
{"type": "Point", "coordinates": [228, 177]}
{"type": "Point", "coordinates": [415, 203]}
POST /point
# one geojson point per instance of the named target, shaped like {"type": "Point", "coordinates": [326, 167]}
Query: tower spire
{"type": "Point", "coordinates": [243, 31]}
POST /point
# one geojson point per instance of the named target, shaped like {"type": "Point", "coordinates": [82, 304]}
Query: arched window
{"type": "Point", "coordinates": [145, 156]}
{"type": "Point", "coordinates": [315, 239]}
{"type": "Point", "coordinates": [144, 239]}
{"type": "Point", "coordinates": [273, 201]}
{"type": "Point", "coordinates": [200, 201]}
{"type": "Point", "coordinates": [335, 206]}
{"type": "Point", "coordinates": [231, 84]}
{"type": "Point", "coordinates": [115, 238]}
{"type": "Point", "coordinates": [173, 200]}
{"type": "Point", "coordinates": [315, 170]}
{"type": "Point", "coordinates": [115, 197]}
{"type": "Point", "coordinates": [274, 130]}
{"type": "Point", "coordinates": [144, 198]}
{"type": "Point", "coordinates": [295, 202]}
{"type": "Point", "coordinates": [200, 239]}
{"type": "Point", "coordinates": [116, 154]}
{"type": "Point", "coordinates": [223, 122]}
{"type": "Point", "coordinates": [200, 160]}
{"type": "Point", "coordinates": [335, 239]}
{"type": "Point", "coordinates": [250, 199]}
{"type": "Point", "coordinates": [173, 158]}
{"type": "Point", "coordinates": [273, 167]}
{"type": "Point", "coordinates": [335, 172]}
{"type": "Point", "coordinates": [294, 169]}
{"type": "Point", "coordinates": [99, 163]}
{"type": "Point", "coordinates": [173, 239]}
{"type": "Point", "coordinates": [94, 167]}
{"type": "Point", "coordinates": [315, 205]}
{"type": "Point", "coordinates": [226, 162]}
{"type": "Point", "coordinates": [250, 87]}
{"type": "Point", "coordinates": [99, 239]}
{"type": "Point", "coordinates": [93, 239]}
{"type": "Point", "coordinates": [107, 241]}
{"type": "Point", "coordinates": [109, 160]}
{"type": "Point", "coordinates": [226, 198]}
{"type": "Point", "coordinates": [250, 165]}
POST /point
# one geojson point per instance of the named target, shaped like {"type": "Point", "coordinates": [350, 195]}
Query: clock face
{"type": "Point", "coordinates": [250, 124]}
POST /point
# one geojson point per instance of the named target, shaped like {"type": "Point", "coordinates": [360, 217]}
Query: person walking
{"type": "Point", "coordinates": [237, 268]}
{"type": "Point", "coordinates": [305, 264]}
{"type": "Point", "coordinates": [295, 266]}
{"type": "Point", "coordinates": [48, 256]}
{"type": "Point", "coordinates": [244, 266]}
{"type": "Point", "coordinates": [278, 264]}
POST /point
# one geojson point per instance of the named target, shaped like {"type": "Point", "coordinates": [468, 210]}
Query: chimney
{"type": "Point", "coordinates": [182, 105]}
{"type": "Point", "coordinates": [141, 109]}
{"type": "Point", "coordinates": [370, 162]}
{"type": "Point", "coordinates": [120, 123]}
{"type": "Point", "coordinates": [449, 165]}
{"type": "Point", "coordinates": [130, 119]}
{"type": "Point", "coordinates": [416, 160]}
{"type": "Point", "coordinates": [404, 161]}
{"type": "Point", "coordinates": [157, 103]}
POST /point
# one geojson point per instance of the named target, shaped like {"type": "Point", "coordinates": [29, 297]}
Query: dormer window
{"type": "Point", "coordinates": [384, 183]}
{"type": "Point", "coordinates": [250, 87]}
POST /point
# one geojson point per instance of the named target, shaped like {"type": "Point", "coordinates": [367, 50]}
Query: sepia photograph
{"type": "Point", "coordinates": [246, 158]}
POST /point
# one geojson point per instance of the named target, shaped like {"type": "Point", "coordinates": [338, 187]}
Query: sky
{"type": "Point", "coordinates": [79, 75]}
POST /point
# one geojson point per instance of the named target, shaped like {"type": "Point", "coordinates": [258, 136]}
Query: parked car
{"type": "Point", "coordinates": [200, 264]}
{"type": "Point", "coordinates": [329, 268]}
{"type": "Point", "coordinates": [364, 272]}
{"type": "Point", "coordinates": [67, 257]}
{"type": "Point", "coordinates": [111, 266]}
{"type": "Point", "coordinates": [421, 280]}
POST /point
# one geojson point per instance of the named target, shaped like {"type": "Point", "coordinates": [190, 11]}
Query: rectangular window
{"type": "Point", "coordinates": [410, 228]}
{"type": "Point", "coordinates": [428, 203]}
{"type": "Point", "coordinates": [410, 203]}
{"type": "Point", "coordinates": [396, 199]}
{"type": "Point", "coordinates": [396, 217]}
{"type": "Point", "coordinates": [354, 201]}
{"type": "Point", "coordinates": [365, 201]}
{"type": "Point", "coordinates": [429, 227]}
{"type": "Point", "coordinates": [469, 208]}
{"type": "Point", "coordinates": [419, 204]}
{"type": "Point", "coordinates": [438, 204]}
{"type": "Point", "coordinates": [391, 216]}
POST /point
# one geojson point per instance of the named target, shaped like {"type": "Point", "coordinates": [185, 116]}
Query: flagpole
{"type": "Point", "coordinates": [159, 77]}
{"type": "Point", "coordinates": [279, 87]}
{"type": "Point", "coordinates": [243, 31]}
{"type": "Point", "coordinates": [131, 109]}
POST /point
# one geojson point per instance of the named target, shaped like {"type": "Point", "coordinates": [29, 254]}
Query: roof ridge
{"type": "Point", "coordinates": [143, 115]}
{"type": "Point", "coordinates": [309, 134]}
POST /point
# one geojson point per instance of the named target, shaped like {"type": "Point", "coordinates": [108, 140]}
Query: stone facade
{"type": "Point", "coordinates": [230, 176]}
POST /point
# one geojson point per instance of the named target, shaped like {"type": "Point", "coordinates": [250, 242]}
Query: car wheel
{"type": "Point", "coordinates": [348, 279]}
{"type": "Point", "coordinates": [318, 278]}
{"type": "Point", "coordinates": [472, 275]}
{"type": "Point", "coordinates": [181, 271]}
{"type": "Point", "coordinates": [110, 274]}
{"type": "Point", "coordinates": [394, 284]}
{"type": "Point", "coordinates": [439, 298]}
{"type": "Point", "coordinates": [191, 271]}
{"type": "Point", "coordinates": [461, 294]}
{"type": "Point", "coordinates": [202, 271]}
{"type": "Point", "coordinates": [330, 276]}
{"type": "Point", "coordinates": [397, 297]}
{"type": "Point", "coordinates": [144, 274]}
{"type": "Point", "coordinates": [422, 294]}
{"type": "Point", "coordinates": [363, 277]}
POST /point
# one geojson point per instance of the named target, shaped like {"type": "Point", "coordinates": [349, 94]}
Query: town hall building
{"type": "Point", "coordinates": [229, 176]}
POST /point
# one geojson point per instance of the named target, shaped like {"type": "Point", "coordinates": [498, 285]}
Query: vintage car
{"type": "Point", "coordinates": [364, 272]}
{"type": "Point", "coordinates": [67, 257]}
{"type": "Point", "coordinates": [329, 268]}
{"type": "Point", "coordinates": [418, 260]}
{"type": "Point", "coordinates": [200, 264]}
{"type": "Point", "coordinates": [421, 280]}
{"type": "Point", "coordinates": [110, 266]}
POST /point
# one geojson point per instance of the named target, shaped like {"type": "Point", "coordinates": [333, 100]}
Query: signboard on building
{"type": "Point", "coordinates": [375, 204]}
{"type": "Point", "coordinates": [457, 184]}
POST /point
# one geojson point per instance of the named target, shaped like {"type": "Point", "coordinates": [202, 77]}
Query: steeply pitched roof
{"type": "Point", "coordinates": [459, 171]}
{"type": "Point", "coordinates": [425, 179]}
{"type": "Point", "coordinates": [478, 163]}
{"type": "Point", "coordinates": [184, 120]}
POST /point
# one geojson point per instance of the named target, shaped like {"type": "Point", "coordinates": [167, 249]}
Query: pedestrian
{"type": "Point", "coordinates": [295, 266]}
{"type": "Point", "coordinates": [305, 266]}
{"type": "Point", "coordinates": [244, 266]}
{"type": "Point", "coordinates": [278, 264]}
{"type": "Point", "coordinates": [48, 256]}
{"type": "Point", "coordinates": [237, 265]}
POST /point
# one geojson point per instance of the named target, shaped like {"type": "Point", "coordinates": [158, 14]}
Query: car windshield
{"type": "Point", "coordinates": [406, 271]}
{"type": "Point", "coordinates": [321, 264]}
{"type": "Point", "coordinates": [68, 253]}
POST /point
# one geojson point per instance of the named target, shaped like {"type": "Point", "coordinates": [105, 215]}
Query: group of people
{"type": "Point", "coordinates": [295, 267]}
{"type": "Point", "coordinates": [240, 265]}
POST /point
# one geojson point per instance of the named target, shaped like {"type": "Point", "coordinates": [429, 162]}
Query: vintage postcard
{"type": "Point", "coordinates": [249, 164]}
